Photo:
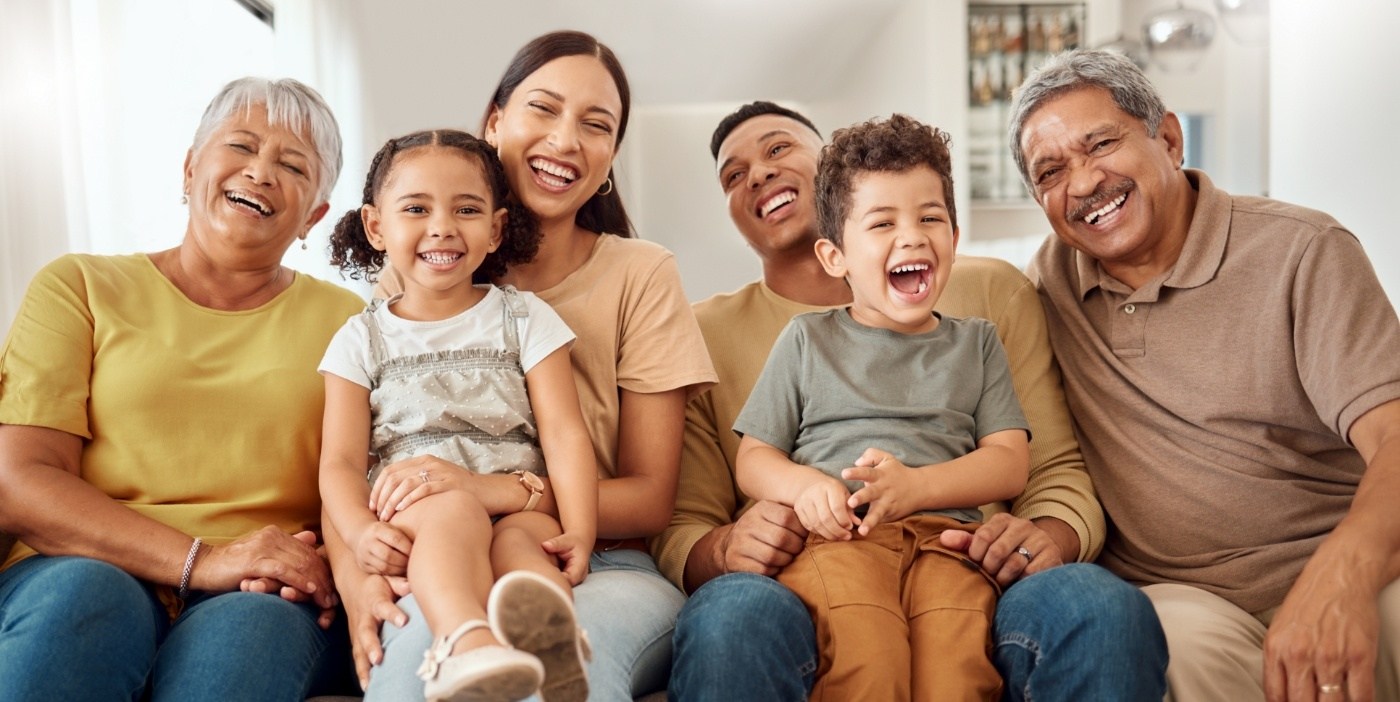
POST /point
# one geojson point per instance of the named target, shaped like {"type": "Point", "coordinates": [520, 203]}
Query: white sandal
{"type": "Point", "coordinates": [531, 613]}
{"type": "Point", "coordinates": [484, 674]}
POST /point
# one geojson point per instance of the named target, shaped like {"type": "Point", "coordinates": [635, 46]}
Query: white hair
{"type": "Point", "coordinates": [291, 104]}
{"type": "Point", "coordinates": [1084, 68]}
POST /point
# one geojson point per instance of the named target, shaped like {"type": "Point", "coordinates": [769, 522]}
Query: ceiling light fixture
{"type": "Point", "coordinates": [1178, 38]}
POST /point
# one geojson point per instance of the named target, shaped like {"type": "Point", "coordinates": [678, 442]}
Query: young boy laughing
{"type": "Point", "coordinates": [883, 424]}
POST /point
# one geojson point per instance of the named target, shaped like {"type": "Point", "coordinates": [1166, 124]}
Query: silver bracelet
{"type": "Point", "coordinates": [184, 590]}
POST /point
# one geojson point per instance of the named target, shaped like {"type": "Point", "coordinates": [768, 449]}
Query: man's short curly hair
{"type": "Point", "coordinates": [892, 145]}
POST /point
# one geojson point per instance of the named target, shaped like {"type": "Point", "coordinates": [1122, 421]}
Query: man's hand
{"type": "Point", "coordinates": [1324, 634]}
{"type": "Point", "coordinates": [764, 540]}
{"type": "Point", "coordinates": [996, 547]}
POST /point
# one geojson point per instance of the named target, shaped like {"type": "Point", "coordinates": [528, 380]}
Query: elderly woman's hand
{"type": "Point", "coordinates": [268, 554]}
{"type": "Point", "coordinates": [291, 594]}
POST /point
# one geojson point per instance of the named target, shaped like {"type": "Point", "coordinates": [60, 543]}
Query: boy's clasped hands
{"type": "Point", "coordinates": [828, 508]}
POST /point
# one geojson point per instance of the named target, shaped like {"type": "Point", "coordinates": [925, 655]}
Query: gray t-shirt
{"type": "Point", "coordinates": [833, 387]}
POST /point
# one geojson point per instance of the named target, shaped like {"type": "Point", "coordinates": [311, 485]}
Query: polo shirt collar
{"type": "Point", "coordinates": [1202, 253]}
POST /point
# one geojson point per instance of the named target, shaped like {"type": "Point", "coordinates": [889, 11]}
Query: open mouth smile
{"type": "Point", "coordinates": [776, 201]}
{"type": "Point", "coordinates": [553, 174]}
{"type": "Point", "coordinates": [911, 278]}
{"type": "Point", "coordinates": [440, 258]}
{"type": "Point", "coordinates": [249, 202]}
{"type": "Point", "coordinates": [1096, 215]}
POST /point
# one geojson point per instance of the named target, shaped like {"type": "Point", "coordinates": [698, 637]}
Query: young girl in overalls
{"type": "Point", "coordinates": [439, 391]}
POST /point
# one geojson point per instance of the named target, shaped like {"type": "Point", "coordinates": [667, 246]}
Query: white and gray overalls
{"type": "Point", "coordinates": [464, 405]}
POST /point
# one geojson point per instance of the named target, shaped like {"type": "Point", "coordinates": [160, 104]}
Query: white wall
{"type": "Point", "coordinates": [674, 198]}
{"type": "Point", "coordinates": [1229, 87]}
{"type": "Point", "coordinates": [1333, 105]}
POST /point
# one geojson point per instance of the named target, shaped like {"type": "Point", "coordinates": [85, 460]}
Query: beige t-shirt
{"type": "Point", "coordinates": [741, 327]}
{"type": "Point", "coordinates": [635, 332]}
{"type": "Point", "coordinates": [1214, 401]}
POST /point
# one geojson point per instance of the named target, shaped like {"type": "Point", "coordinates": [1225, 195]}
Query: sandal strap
{"type": "Point", "coordinates": [442, 648]}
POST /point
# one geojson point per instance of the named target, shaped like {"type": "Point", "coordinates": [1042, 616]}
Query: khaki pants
{"type": "Point", "coordinates": [898, 617]}
{"type": "Point", "coordinates": [1217, 649]}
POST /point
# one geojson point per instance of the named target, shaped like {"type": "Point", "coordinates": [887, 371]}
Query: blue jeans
{"type": "Point", "coordinates": [627, 608]}
{"type": "Point", "coordinates": [743, 636]}
{"type": "Point", "coordinates": [80, 629]}
{"type": "Point", "coordinates": [1076, 632]}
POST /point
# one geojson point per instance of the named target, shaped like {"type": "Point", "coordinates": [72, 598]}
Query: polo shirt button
{"type": "Point", "coordinates": [1130, 308]}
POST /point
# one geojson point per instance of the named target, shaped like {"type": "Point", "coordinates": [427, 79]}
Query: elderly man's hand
{"type": "Point", "coordinates": [1322, 642]}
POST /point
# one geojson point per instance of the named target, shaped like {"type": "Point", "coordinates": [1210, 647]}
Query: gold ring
{"type": "Point", "coordinates": [1329, 688]}
{"type": "Point", "coordinates": [423, 475]}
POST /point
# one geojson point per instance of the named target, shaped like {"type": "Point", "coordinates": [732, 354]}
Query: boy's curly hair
{"type": "Point", "coordinates": [893, 145]}
{"type": "Point", "coordinates": [520, 236]}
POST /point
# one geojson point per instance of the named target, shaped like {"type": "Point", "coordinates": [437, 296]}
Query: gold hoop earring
{"type": "Point", "coordinates": [608, 185]}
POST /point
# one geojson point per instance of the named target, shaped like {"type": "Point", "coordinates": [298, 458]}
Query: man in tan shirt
{"type": "Point", "coordinates": [1233, 367]}
{"type": "Point", "coordinates": [744, 636]}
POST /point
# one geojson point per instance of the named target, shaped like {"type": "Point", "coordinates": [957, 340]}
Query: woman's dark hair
{"type": "Point", "coordinates": [601, 213]}
{"type": "Point", "coordinates": [520, 235]}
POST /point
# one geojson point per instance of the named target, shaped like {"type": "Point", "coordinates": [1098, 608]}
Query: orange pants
{"type": "Point", "coordinates": [898, 616]}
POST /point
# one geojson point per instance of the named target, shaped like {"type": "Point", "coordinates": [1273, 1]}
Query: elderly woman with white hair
{"type": "Point", "coordinates": [160, 423]}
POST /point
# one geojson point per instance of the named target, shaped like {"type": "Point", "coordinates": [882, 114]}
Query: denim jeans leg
{"type": "Point", "coordinates": [239, 646]}
{"type": "Point", "coordinates": [743, 637]}
{"type": "Point", "coordinates": [629, 611]}
{"type": "Point", "coordinates": [75, 629]}
{"type": "Point", "coordinates": [396, 678]}
{"type": "Point", "coordinates": [1078, 632]}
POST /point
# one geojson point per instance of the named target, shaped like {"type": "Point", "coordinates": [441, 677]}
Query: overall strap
{"type": "Point", "coordinates": [378, 352]}
{"type": "Point", "coordinates": [515, 309]}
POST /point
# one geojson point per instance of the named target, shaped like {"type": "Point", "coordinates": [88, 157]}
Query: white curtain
{"type": "Point", "coordinates": [37, 145]}
{"type": "Point", "coordinates": [316, 43]}
{"type": "Point", "coordinates": [99, 102]}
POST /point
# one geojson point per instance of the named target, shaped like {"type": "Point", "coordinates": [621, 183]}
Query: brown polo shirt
{"type": "Point", "coordinates": [1212, 403]}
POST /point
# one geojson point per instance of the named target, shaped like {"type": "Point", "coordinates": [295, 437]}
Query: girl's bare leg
{"type": "Point", "coordinates": [516, 546]}
{"type": "Point", "coordinates": [449, 567]}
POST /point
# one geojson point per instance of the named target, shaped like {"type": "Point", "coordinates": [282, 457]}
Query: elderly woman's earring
{"type": "Point", "coordinates": [184, 198]}
{"type": "Point", "coordinates": [303, 243]}
{"type": "Point", "coordinates": [607, 187]}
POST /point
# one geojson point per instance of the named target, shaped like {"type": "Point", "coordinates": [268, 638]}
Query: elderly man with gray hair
{"type": "Point", "coordinates": [1233, 367]}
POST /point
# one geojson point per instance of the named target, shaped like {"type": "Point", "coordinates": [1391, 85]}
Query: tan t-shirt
{"type": "Point", "coordinates": [205, 420]}
{"type": "Point", "coordinates": [740, 328]}
{"type": "Point", "coordinates": [635, 332]}
{"type": "Point", "coordinates": [1212, 403]}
